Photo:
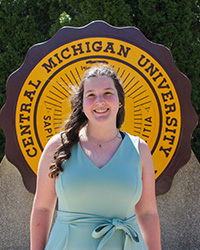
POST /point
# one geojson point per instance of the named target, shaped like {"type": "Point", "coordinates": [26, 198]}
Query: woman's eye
{"type": "Point", "coordinates": [108, 93]}
{"type": "Point", "coordinates": [91, 95]}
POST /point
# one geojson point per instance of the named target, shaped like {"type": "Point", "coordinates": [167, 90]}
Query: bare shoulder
{"type": "Point", "coordinates": [146, 158]}
{"type": "Point", "coordinates": [47, 156]}
{"type": "Point", "coordinates": [45, 190]}
{"type": "Point", "coordinates": [143, 147]}
{"type": "Point", "coordinates": [53, 143]}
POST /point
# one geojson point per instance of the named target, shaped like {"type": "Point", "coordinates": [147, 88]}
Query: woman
{"type": "Point", "coordinates": [103, 177]}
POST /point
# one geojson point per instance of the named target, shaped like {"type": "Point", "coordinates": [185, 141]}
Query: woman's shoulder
{"type": "Point", "coordinates": [135, 139]}
{"type": "Point", "coordinates": [47, 156]}
{"type": "Point", "coordinates": [138, 142]}
{"type": "Point", "coordinates": [144, 152]}
{"type": "Point", "coordinates": [54, 142]}
{"type": "Point", "coordinates": [129, 135]}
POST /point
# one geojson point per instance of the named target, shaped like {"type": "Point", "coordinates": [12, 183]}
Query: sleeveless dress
{"type": "Point", "coordinates": [97, 205]}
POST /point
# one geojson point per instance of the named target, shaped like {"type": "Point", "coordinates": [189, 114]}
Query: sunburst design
{"type": "Point", "coordinates": [35, 117]}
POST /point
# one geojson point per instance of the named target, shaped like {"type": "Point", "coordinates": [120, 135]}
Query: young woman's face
{"type": "Point", "coordinates": [100, 100]}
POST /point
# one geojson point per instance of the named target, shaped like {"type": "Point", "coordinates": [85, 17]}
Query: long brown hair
{"type": "Point", "coordinates": [78, 120]}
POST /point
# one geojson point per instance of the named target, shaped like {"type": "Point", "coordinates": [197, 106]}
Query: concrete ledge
{"type": "Point", "coordinates": [15, 209]}
{"type": "Point", "coordinates": [179, 209]}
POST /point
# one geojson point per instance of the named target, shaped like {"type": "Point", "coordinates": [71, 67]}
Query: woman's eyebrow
{"type": "Point", "coordinates": [108, 89]}
{"type": "Point", "coordinates": [91, 90]}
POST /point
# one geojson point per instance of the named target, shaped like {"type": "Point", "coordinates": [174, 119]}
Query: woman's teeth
{"type": "Point", "coordinates": [101, 111]}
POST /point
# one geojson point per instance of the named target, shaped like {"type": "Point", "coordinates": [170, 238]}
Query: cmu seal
{"type": "Point", "coordinates": [158, 106]}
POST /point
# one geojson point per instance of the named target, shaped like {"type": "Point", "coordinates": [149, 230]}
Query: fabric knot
{"type": "Point", "coordinates": [117, 223]}
{"type": "Point", "coordinates": [107, 229]}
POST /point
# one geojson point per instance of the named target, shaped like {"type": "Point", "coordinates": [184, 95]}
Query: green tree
{"type": "Point", "coordinates": [115, 12]}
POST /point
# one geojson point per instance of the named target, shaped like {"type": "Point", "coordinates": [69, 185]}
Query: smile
{"type": "Point", "coordinates": [101, 111]}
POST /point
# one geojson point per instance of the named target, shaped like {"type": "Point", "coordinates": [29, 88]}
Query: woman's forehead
{"type": "Point", "coordinates": [100, 81]}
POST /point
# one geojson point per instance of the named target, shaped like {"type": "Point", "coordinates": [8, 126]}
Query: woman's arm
{"type": "Point", "coordinates": [45, 198]}
{"type": "Point", "coordinates": [146, 208]}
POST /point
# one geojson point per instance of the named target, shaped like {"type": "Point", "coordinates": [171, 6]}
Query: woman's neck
{"type": "Point", "coordinates": [101, 133]}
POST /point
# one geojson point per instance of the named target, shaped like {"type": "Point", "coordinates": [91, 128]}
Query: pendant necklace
{"type": "Point", "coordinates": [100, 145]}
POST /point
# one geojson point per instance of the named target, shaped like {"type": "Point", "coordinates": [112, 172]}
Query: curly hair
{"type": "Point", "coordinates": [78, 120]}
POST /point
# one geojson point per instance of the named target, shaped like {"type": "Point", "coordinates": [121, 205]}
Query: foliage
{"type": "Point", "coordinates": [115, 12]}
{"type": "Point", "coordinates": [174, 24]}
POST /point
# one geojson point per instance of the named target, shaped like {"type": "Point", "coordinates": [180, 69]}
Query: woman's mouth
{"type": "Point", "coordinates": [100, 111]}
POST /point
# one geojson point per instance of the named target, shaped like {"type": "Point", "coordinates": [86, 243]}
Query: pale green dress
{"type": "Point", "coordinates": [96, 205]}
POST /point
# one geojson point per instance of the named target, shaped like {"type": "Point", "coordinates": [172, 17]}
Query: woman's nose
{"type": "Point", "coordinates": [100, 99]}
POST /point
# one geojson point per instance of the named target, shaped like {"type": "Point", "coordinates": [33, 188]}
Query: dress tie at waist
{"type": "Point", "coordinates": [106, 227]}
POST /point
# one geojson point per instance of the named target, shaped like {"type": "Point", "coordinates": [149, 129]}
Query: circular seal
{"type": "Point", "coordinates": [153, 105]}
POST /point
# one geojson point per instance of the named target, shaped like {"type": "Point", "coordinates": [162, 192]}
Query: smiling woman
{"type": "Point", "coordinates": [103, 177]}
{"type": "Point", "coordinates": [100, 103]}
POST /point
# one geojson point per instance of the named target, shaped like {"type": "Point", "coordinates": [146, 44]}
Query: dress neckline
{"type": "Point", "coordinates": [110, 160]}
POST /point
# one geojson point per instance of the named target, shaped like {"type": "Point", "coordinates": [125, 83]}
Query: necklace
{"type": "Point", "coordinates": [103, 143]}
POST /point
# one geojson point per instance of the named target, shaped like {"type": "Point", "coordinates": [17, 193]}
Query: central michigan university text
{"type": "Point", "coordinates": [81, 48]}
